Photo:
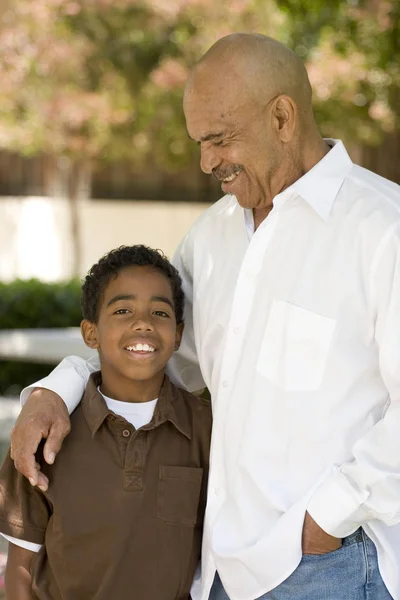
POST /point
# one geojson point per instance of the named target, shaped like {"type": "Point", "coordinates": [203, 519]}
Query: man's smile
{"type": "Point", "coordinates": [229, 181]}
{"type": "Point", "coordinates": [231, 177]}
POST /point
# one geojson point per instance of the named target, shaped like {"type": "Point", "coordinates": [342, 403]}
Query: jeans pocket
{"type": "Point", "coordinates": [326, 555]}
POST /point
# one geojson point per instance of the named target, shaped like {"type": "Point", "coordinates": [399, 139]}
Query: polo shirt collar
{"type": "Point", "coordinates": [94, 406]}
{"type": "Point", "coordinates": [170, 407]}
{"type": "Point", "coordinates": [320, 186]}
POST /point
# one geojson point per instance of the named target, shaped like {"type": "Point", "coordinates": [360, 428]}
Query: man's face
{"type": "Point", "coordinates": [136, 332]}
{"type": "Point", "coordinates": [237, 145]}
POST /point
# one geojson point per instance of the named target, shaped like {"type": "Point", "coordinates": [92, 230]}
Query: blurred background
{"type": "Point", "coordinates": [94, 151]}
{"type": "Point", "coordinates": [93, 147]}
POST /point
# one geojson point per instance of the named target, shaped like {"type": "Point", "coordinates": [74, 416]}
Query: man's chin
{"type": "Point", "coordinates": [243, 201]}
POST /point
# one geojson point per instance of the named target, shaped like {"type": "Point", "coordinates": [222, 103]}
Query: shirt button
{"type": "Point", "coordinates": [216, 491]}
{"type": "Point", "coordinates": [224, 384]}
{"type": "Point", "coordinates": [236, 330]}
{"type": "Point", "coordinates": [126, 433]}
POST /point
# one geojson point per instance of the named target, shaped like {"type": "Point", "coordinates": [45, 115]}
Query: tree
{"type": "Point", "coordinates": [102, 80]}
{"type": "Point", "coordinates": [352, 51]}
{"type": "Point", "coordinates": [74, 78]}
{"type": "Point", "coordinates": [48, 103]}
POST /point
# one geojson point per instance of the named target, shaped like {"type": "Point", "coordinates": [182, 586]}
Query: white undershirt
{"type": "Point", "coordinates": [249, 222]}
{"type": "Point", "coordinates": [137, 414]}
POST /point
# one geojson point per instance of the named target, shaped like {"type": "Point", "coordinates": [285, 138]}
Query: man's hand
{"type": "Point", "coordinates": [315, 540]}
{"type": "Point", "coordinates": [43, 416]}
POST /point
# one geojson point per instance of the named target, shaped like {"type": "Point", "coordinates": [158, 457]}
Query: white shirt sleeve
{"type": "Point", "coordinates": [22, 543]}
{"type": "Point", "coordinates": [183, 367]}
{"type": "Point", "coordinates": [368, 487]}
{"type": "Point", "coordinates": [68, 380]}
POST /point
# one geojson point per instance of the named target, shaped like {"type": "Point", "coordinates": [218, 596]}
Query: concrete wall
{"type": "Point", "coordinates": [36, 241]}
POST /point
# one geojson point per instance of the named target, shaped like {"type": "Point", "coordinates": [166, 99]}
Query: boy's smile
{"type": "Point", "coordinates": [135, 334]}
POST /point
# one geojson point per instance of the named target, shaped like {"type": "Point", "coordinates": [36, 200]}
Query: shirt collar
{"type": "Point", "coordinates": [170, 407]}
{"type": "Point", "coordinates": [320, 186]}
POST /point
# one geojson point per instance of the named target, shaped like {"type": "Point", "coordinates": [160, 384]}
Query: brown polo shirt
{"type": "Point", "coordinates": [123, 514]}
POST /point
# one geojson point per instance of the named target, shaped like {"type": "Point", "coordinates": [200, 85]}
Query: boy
{"type": "Point", "coordinates": [122, 516]}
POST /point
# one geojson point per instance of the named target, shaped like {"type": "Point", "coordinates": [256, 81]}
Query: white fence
{"type": "Point", "coordinates": [42, 345]}
{"type": "Point", "coordinates": [35, 345]}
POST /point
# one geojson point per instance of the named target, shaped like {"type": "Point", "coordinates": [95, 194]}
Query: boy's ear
{"type": "Point", "coordinates": [89, 333]}
{"type": "Point", "coordinates": [178, 335]}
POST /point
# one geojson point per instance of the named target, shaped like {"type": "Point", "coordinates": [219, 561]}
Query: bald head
{"type": "Point", "coordinates": [253, 68]}
{"type": "Point", "coordinates": [248, 105]}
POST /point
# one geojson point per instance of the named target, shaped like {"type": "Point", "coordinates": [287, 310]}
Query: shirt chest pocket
{"type": "Point", "coordinates": [178, 494]}
{"type": "Point", "coordinates": [295, 347]}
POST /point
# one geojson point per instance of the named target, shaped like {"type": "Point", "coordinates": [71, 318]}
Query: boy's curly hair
{"type": "Point", "coordinates": [112, 263]}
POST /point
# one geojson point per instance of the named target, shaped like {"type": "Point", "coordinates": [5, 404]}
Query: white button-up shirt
{"type": "Point", "coordinates": [296, 329]}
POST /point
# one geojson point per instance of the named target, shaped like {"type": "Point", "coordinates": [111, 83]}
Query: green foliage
{"type": "Point", "coordinates": [104, 80]}
{"type": "Point", "coordinates": [15, 376]}
{"type": "Point", "coordinates": [34, 304]}
{"type": "Point", "coordinates": [352, 51]}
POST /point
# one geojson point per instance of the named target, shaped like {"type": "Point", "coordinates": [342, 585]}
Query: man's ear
{"type": "Point", "coordinates": [178, 335]}
{"type": "Point", "coordinates": [89, 334]}
{"type": "Point", "coordinates": [284, 115]}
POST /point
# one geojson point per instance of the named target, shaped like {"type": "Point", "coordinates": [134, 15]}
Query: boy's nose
{"type": "Point", "coordinates": [142, 324]}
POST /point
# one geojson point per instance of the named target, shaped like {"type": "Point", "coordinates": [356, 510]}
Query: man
{"type": "Point", "coordinates": [293, 313]}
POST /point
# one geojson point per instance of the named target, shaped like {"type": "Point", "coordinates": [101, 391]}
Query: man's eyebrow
{"type": "Point", "coordinates": [121, 297]}
{"type": "Point", "coordinates": [209, 136]}
{"type": "Point", "coordinates": [163, 299]}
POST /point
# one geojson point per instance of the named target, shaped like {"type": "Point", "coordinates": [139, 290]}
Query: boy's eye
{"type": "Point", "coordinates": [160, 313]}
{"type": "Point", "coordinates": [121, 311]}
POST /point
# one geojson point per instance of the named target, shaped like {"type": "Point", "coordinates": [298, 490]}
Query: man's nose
{"type": "Point", "coordinates": [209, 158]}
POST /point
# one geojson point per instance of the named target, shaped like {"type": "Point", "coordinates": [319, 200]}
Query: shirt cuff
{"type": "Point", "coordinates": [22, 543]}
{"type": "Point", "coordinates": [337, 507]}
{"type": "Point", "coordinates": [70, 392]}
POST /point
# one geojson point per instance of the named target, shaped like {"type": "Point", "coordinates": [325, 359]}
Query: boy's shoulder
{"type": "Point", "coordinates": [192, 400]}
{"type": "Point", "coordinates": [198, 409]}
{"type": "Point", "coordinates": [195, 402]}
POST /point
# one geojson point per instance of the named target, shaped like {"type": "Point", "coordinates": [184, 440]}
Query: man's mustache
{"type": "Point", "coordinates": [221, 173]}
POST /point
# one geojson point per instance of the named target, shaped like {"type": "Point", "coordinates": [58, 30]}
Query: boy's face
{"type": "Point", "coordinates": [136, 332]}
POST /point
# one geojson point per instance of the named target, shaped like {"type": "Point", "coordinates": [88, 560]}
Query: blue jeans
{"type": "Point", "coordinates": [350, 573]}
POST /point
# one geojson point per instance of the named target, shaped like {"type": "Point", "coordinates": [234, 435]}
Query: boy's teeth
{"type": "Point", "coordinates": [141, 348]}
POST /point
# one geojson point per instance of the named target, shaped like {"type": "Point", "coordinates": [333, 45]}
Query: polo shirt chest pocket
{"type": "Point", "coordinates": [178, 494]}
{"type": "Point", "coordinates": [295, 347]}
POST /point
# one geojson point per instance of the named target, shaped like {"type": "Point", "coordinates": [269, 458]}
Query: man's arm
{"type": "Point", "coordinates": [45, 415]}
{"type": "Point", "coordinates": [368, 486]}
{"type": "Point", "coordinates": [183, 367]}
{"type": "Point", "coordinates": [18, 579]}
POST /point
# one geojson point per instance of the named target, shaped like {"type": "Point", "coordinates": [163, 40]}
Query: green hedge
{"type": "Point", "coordinates": [30, 304]}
